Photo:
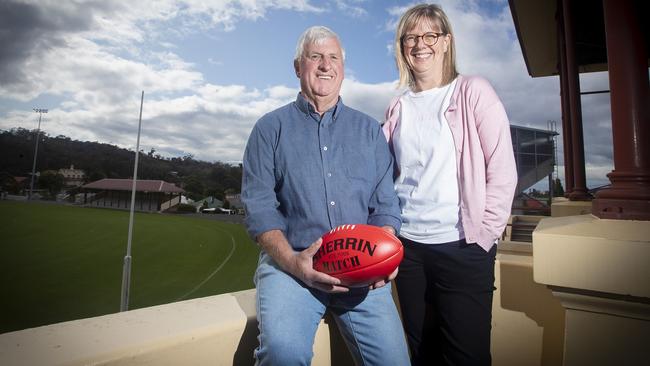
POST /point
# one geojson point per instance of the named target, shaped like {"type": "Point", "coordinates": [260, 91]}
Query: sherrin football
{"type": "Point", "coordinates": [358, 255]}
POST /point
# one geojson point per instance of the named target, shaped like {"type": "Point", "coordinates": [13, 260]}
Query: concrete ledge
{"type": "Point", "coordinates": [598, 269]}
{"type": "Point", "coordinates": [562, 207]}
{"type": "Point", "coordinates": [216, 330]}
{"type": "Point", "coordinates": [527, 321]}
{"type": "Point", "coordinates": [591, 302]}
{"type": "Point", "coordinates": [585, 252]}
{"type": "Point", "coordinates": [603, 337]}
{"type": "Point", "coordinates": [166, 334]}
{"type": "Point", "coordinates": [527, 329]}
{"type": "Point", "coordinates": [517, 248]}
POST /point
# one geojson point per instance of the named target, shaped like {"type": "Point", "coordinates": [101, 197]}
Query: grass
{"type": "Point", "coordinates": [62, 263]}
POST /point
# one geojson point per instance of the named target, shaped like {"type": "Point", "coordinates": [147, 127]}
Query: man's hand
{"type": "Point", "coordinates": [302, 267]}
{"type": "Point", "coordinates": [298, 264]}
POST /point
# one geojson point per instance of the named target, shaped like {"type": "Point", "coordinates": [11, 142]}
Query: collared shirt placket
{"type": "Point", "coordinates": [326, 152]}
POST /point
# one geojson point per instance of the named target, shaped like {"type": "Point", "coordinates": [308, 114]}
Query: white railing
{"type": "Point", "coordinates": [172, 202]}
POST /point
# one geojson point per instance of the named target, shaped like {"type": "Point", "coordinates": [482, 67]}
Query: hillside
{"type": "Point", "coordinates": [99, 160]}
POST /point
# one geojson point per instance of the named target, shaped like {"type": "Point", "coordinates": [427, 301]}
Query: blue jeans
{"type": "Point", "coordinates": [288, 314]}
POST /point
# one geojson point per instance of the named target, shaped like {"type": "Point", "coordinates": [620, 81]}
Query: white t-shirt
{"type": "Point", "coordinates": [427, 186]}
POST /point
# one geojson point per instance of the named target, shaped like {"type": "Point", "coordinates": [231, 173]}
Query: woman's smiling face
{"type": "Point", "coordinates": [423, 59]}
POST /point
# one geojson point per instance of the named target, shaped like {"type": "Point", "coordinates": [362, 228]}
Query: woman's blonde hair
{"type": "Point", "coordinates": [430, 13]}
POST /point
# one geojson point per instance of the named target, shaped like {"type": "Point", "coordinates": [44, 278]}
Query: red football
{"type": "Point", "coordinates": [358, 255]}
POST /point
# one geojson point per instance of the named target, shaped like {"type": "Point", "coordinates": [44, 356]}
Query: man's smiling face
{"type": "Point", "coordinates": [320, 70]}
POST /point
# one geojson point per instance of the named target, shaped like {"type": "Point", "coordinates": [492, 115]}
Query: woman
{"type": "Point", "coordinates": [455, 177]}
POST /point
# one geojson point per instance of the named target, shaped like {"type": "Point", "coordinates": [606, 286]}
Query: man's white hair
{"type": "Point", "coordinates": [316, 35]}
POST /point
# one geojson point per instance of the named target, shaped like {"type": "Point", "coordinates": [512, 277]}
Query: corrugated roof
{"type": "Point", "coordinates": [142, 185]}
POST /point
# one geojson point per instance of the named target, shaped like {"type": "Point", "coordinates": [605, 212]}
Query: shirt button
{"type": "Point", "coordinates": [332, 203]}
{"type": "Point", "coordinates": [329, 175]}
{"type": "Point", "coordinates": [325, 148]}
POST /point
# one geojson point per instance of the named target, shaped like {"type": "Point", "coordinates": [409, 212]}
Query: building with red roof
{"type": "Point", "coordinates": [151, 195]}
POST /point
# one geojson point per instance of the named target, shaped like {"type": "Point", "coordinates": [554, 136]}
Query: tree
{"type": "Point", "coordinates": [100, 160]}
{"type": "Point", "coordinates": [52, 181]}
{"type": "Point", "coordinates": [558, 190]}
{"type": "Point", "coordinates": [8, 183]}
{"type": "Point", "coordinates": [94, 175]}
{"type": "Point", "coordinates": [193, 187]}
{"type": "Point", "coordinates": [215, 191]}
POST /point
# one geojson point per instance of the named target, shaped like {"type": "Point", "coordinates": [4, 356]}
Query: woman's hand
{"type": "Point", "coordinates": [383, 282]}
{"type": "Point", "coordinates": [389, 229]}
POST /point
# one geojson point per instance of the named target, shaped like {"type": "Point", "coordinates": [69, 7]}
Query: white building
{"type": "Point", "coordinates": [73, 177]}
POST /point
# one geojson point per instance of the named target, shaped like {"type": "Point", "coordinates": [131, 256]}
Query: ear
{"type": "Point", "coordinates": [296, 67]}
{"type": "Point", "coordinates": [447, 41]}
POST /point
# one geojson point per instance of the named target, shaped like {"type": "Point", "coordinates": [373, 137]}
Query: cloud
{"type": "Point", "coordinates": [27, 32]}
{"type": "Point", "coordinates": [35, 34]}
{"type": "Point", "coordinates": [350, 9]}
{"type": "Point", "coordinates": [372, 99]}
{"type": "Point", "coordinates": [212, 124]}
{"type": "Point", "coordinates": [487, 46]}
{"type": "Point", "coordinates": [98, 55]}
{"type": "Point", "coordinates": [90, 55]}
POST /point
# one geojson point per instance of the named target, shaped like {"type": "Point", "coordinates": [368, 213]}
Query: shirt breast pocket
{"type": "Point", "coordinates": [359, 165]}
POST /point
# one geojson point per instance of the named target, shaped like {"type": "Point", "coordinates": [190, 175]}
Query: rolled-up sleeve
{"type": "Point", "coordinates": [258, 182]}
{"type": "Point", "coordinates": [384, 207]}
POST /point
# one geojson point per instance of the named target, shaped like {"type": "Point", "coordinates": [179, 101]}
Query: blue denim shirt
{"type": "Point", "coordinates": [305, 175]}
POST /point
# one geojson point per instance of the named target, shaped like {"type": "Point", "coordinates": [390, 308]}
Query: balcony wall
{"type": "Point", "coordinates": [527, 321]}
{"type": "Point", "coordinates": [598, 269]}
{"type": "Point", "coordinates": [528, 325]}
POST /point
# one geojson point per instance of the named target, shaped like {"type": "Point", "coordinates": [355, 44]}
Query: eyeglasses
{"type": "Point", "coordinates": [429, 39]}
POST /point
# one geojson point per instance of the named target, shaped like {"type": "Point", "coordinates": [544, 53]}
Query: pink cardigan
{"type": "Point", "coordinates": [487, 174]}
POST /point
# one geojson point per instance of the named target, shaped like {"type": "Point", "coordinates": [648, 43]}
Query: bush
{"type": "Point", "coordinates": [185, 208]}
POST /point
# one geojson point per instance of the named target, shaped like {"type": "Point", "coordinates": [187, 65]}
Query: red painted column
{"type": "Point", "coordinates": [564, 100]}
{"type": "Point", "coordinates": [629, 196]}
{"type": "Point", "coordinates": [579, 191]}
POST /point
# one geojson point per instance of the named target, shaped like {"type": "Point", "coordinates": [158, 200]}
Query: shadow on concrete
{"type": "Point", "coordinates": [519, 292]}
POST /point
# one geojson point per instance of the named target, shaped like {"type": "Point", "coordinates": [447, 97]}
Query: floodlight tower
{"type": "Point", "coordinates": [40, 112]}
{"type": "Point", "coordinates": [126, 268]}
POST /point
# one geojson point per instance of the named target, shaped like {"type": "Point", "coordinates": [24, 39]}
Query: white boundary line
{"type": "Point", "coordinates": [232, 251]}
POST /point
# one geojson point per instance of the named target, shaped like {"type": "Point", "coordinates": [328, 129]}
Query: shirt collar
{"type": "Point", "coordinates": [305, 107]}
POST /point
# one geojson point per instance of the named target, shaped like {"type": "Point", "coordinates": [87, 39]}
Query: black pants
{"type": "Point", "coordinates": [445, 293]}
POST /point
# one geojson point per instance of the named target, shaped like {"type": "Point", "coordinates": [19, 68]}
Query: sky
{"type": "Point", "coordinates": [210, 69]}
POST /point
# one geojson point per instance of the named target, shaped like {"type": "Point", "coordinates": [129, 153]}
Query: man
{"type": "Point", "coordinates": [310, 166]}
